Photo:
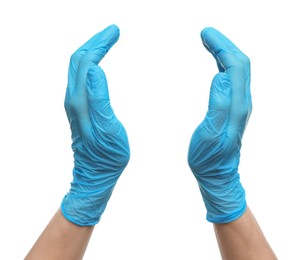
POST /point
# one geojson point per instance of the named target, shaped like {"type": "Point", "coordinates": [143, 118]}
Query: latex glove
{"type": "Point", "coordinates": [99, 140]}
{"type": "Point", "coordinates": [214, 150]}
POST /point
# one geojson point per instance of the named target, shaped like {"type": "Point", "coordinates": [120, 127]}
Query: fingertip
{"type": "Point", "coordinates": [205, 32]}
{"type": "Point", "coordinates": [114, 32]}
{"type": "Point", "coordinates": [113, 26]}
{"type": "Point", "coordinates": [207, 37]}
{"type": "Point", "coordinates": [221, 88]}
{"type": "Point", "coordinates": [102, 43]}
{"type": "Point", "coordinates": [222, 78]}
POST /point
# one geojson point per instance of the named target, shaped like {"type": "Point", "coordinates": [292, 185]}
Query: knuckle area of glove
{"type": "Point", "coordinates": [91, 57]}
{"type": "Point", "coordinates": [76, 57]}
{"type": "Point", "coordinates": [239, 62]}
{"type": "Point", "coordinates": [242, 62]}
{"type": "Point", "coordinates": [245, 60]}
{"type": "Point", "coordinates": [81, 58]}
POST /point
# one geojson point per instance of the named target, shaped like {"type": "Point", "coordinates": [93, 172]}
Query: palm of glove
{"type": "Point", "coordinates": [99, 140]}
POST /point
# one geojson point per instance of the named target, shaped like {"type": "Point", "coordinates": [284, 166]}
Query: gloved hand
{"type": "Point", "coordinates": [214, 150]}
{"type": "Point", "coordinates": [99, 140]}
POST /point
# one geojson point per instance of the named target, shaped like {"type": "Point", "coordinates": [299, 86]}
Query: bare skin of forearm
{"type": "Point", "coordinates": [61, 239]}
{"type": "Point", "coordinates": [243, 239]}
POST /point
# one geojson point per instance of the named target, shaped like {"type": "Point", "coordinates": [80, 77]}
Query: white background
{"type": "Point", "coordinates": [159, 76]}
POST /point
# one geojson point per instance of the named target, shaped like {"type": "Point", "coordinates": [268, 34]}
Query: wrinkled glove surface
{"type": "Point", "coordinates": [214, 150]}
{"type": "Point", "coordinates": [99, 140]}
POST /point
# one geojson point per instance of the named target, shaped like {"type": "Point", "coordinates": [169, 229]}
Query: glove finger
{"type": "Point", "coordinates": [101, 112]}
{"type": "Point", "coordinates": [219, 103]}
{"type": "Point", "coordinates": [217, 116]}
{"type": "Point", "coordinates": [215, 42]}
{"type": "Point", "coordinates": [100, 44]}
{"type": "Point", "coordinates": [85, 57]}
{"type": "Point", "coordinates": [97, 88]}
{"type": "Point", "coordinates": [93, 50]}
{"type": "Point", "coordinates": [237, 65]}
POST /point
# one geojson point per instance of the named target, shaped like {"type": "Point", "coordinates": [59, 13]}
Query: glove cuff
{"type": "Point", "coordinates": [85, 210]}
{"type": "Point", "coordinates": [224, 204]}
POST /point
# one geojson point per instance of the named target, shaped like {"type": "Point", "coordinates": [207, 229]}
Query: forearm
{"type": "Point", "coordinates": [61, 239]}
{"type": "Point", "coordinates": [243, 239]}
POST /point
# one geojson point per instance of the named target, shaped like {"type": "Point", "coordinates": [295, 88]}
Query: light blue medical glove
{"type": "Point", "coordinates": [214, 150]}
{"type": "Point", "coordinates": [99, 140]}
